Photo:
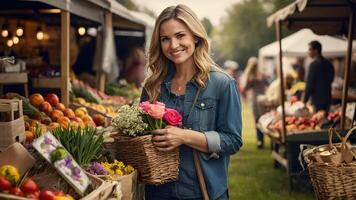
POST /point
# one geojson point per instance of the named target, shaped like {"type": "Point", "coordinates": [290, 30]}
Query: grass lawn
{"type": "Point", "coordinates": [251, 173]}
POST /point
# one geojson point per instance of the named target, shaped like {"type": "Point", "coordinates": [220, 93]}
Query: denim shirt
{"type": "Point", "coordinates": [217, 114]}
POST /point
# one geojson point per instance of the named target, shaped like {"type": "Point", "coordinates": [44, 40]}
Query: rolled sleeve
{"type": "Point", "coordinates": [213, 140]}
{"type": "Point", "coordinates": [229, 123]}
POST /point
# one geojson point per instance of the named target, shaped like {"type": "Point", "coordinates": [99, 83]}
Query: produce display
{"type": "Point", "coordinates": [104, 109]}
{"type": "Point", "coordinates": [81, 89]}
{"type": "Point", "coordinates": [129, 91]}
{"type": "Point", "coordinates": [299, 119]}
{"type": "Point", "coordinates": [9, 184]}
{"type": "Point", "coordinates": [43, 113]}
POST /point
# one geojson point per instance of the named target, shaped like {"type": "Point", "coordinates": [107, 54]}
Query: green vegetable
{"type": "Point", "coordinates": [88, 96]}
{"type": "Point", "coordinates": [58, 154]}
{"type": "Point", "coordinates": [84, 144]}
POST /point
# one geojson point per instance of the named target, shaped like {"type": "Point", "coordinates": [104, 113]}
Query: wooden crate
{"type": "Point", "coordinates": [12, 124]}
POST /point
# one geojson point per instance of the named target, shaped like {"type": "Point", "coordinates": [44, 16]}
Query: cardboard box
{"type": "Point", "coordinates": [18, 156]}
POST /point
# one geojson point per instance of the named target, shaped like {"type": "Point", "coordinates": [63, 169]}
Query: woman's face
{"type": "Point", "coordinates": [177, 42]}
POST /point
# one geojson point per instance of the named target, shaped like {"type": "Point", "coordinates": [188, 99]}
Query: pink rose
{"type": "Point", "coordinates": [145, 106]}
{"type": "Point", "coordinates": [172, 117]}
{"type": "Point", "coordinates": [155, 110]}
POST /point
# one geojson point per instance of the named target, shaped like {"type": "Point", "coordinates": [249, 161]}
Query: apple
{"type": "Point", "coordinates": [4, 184]}
{"type": "Point", "coordinates": [60, 106]}
{"type": "Point", "coordinates": [99, 119]}
{"type": "Point", "coordinates": [29, 186]}
{"type": "Point", "coordinates": [36, 99]}
{"type": "Point", "coordinates": [16, 191]}
{"type": "Point", "coordinates": [46, 120]}
{"type": "Point", "coordinates": [69, 113]}
{"type": "Point", "coordinates": [47, 195]}
{"type": "Point", "coordinates": [64, 121]}
{"type": "Point", "coordinates": [52, 99]}
{"type": "Point", "coordinates": [46, 107]}
{"type": "Point", "coordinates": [56, 114]}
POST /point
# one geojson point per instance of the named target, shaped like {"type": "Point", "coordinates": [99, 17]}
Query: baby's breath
{"type": "Point", "coordinates": [129, 121]}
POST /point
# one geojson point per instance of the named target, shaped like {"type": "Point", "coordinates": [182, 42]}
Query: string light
{"type": "Point", "coordinates": [10, 43]}
{"type": "Point", "coordinates": [19, 31]}
{"type": "Point", "coordinates": [39, 34]}
{"type": "Point", "coordinates": [16, 40]}
{"type": "Point", "coordinates": [81, 31]}
{"type": "Point", "coordinates": [4, 31]}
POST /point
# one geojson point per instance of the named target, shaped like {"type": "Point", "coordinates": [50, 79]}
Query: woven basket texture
{"type": "Point", "coordinates": [154, 167]}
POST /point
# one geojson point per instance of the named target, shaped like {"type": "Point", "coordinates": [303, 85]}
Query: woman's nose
{"type": "Point", "coordinates": [174, 43]}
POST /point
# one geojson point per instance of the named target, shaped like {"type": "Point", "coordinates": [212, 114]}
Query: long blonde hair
{"type": "Point", "coordinates": [158, 63]}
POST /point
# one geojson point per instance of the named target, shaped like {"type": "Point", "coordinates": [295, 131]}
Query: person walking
{"type": "Point", "coordinates": [254, 81]}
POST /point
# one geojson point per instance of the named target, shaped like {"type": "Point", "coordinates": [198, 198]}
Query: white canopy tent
{"type": "Point", "coordinates": [296, 45]}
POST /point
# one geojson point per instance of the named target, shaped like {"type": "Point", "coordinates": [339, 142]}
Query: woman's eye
{"type": "Point", "coordinates": [180, 36]}
{"type": "Point", "coordinates": [164, 39]}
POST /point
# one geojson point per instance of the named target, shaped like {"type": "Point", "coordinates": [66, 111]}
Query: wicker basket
{"type": "Point", "coordinates": [331, 180]}
{"type": "Point", "coordinates": [154, 167]}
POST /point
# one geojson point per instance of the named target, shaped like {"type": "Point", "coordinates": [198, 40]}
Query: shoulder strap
{"type": "Point", "coordinates": [197, 165]}
{"type": "Point", "coordinates": [194, 102]}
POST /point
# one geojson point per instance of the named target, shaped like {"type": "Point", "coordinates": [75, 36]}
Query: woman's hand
{"type": "Point", "coordinates": [168, 138]}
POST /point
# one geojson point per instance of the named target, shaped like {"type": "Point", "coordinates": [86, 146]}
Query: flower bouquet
{"type": "Point", "coordinates": [133, 143]}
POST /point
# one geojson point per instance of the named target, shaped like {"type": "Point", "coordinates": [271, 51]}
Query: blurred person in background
{"type": "Point", "coordinates": [255, 82]}
{"type": "Point", "coordinates": [230, 67]}
{"type": "Point", "coordinates": [134, 71]}
{"type": "Point", "coordinates": [298, 85]}
{"type": "Point", "coordinates": [319, 80]}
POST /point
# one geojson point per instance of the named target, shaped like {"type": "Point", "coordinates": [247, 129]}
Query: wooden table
{"type": "Point", "coordinates": [15, 78]}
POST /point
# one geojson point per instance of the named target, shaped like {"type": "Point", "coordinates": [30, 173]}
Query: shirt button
{"type": "Point", "coordinates": [202, 104]}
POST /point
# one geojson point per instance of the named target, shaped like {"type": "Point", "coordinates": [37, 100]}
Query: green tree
{"type": "Point", "coordinates": [245, 30]}
{"type": "Point", "coordinates": [207, 25]}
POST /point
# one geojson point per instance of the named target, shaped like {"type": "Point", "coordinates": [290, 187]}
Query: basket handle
{"type": "Point", "coordinates": [331, 131]}
{"type": "Point", "coordinates": [344, 139]}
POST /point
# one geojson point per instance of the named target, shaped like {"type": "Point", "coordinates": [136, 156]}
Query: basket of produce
{"type": "Point", "coordinates": [134, 146]}
{"type": "Point", "coordinates": [332, 168]}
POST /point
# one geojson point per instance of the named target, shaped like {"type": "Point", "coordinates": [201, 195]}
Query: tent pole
{"type": "Point", "coordinates": [347, 68]}
{"type": "Point", "coordinates": [101, 75]}
{"type": "Point", "coordinates": [65, 24]}
{"type": "Point", "coordinates": [282, 92]}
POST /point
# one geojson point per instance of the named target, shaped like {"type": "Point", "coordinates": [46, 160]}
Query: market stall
{"type": "Point", "coordinates": [63, 144]}
{"type": "Point", "coordinates": [295, 46]}
{"type": "Point", "coordinates": [322, 17]}
{"type": "Point", "coordinates": [85, 14]}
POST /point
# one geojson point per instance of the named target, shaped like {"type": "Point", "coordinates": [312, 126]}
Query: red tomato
{"type": "Point", "coordinates": [33, 196]}
{"type": "Point", "coordinates": [47, 195]}
{"type": "Point", "coordinates": [59, 193]}
{"type": "Point", "coordinates": [16, 191]}
{"type": "Point", "coordinates": [4, 184]}
{"type": "Point", "coordinates": [29, 186]}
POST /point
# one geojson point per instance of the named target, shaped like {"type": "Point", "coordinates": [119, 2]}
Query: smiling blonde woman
{"type": "Point", "coordinates": [185, 78]}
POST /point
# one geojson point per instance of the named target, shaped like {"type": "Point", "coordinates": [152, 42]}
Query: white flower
{"type": "Point", "coordinates": [129, 121]}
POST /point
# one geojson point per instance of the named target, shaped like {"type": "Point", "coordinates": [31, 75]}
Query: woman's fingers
{"type": "Point", "coordinates": [160, 144]}
{"type": "Point", "coordinates": [165, 149]}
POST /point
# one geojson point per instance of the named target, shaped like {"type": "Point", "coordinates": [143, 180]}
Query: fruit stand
{"type": "Point", "coordinates": [49, 15]}
{"type": "Point", "coordinates": [54, 148]}
{"type": "Point", "coordinates": [323, 18]}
